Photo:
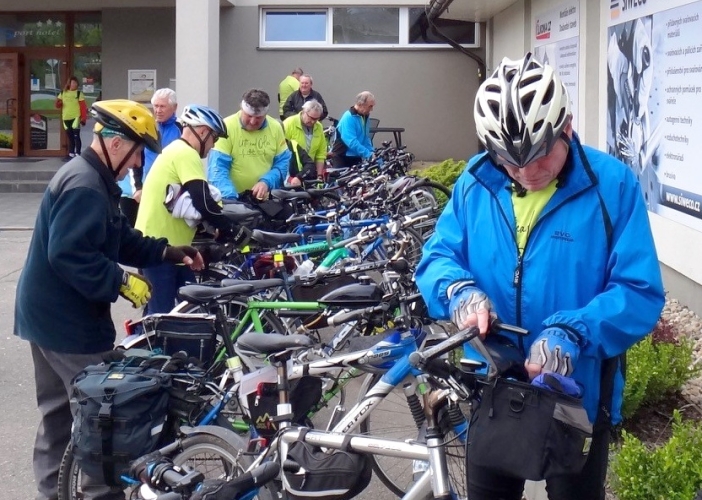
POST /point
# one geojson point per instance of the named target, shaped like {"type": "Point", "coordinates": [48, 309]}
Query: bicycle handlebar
{"type": "Point", "coordinates": [420, 359]}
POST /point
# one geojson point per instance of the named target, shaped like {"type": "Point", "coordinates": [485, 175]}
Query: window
{"type": "Point", "coordinates": [367, 27]}
{"type": "Point", "coordinates": [295, 26]}
{"type": "Point", "coordinates": [421, 32]}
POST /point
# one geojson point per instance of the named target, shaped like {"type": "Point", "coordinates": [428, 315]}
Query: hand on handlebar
{"type": "Point", "coordinates": [469, 306]}
{"type": "Point", "coordinates": [555, 350]}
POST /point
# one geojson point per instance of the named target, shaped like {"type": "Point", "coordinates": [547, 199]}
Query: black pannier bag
{"type": "Point", "coordinates": [528, 432]}
{"type": "Point", "coordinates": [119, 415]}
{"type": "Point", "coordinates": [263, 404]}
{"type": "Point", "coordinates": [339, 475]}
{"type": "Point", "coordinates": [194, 334]}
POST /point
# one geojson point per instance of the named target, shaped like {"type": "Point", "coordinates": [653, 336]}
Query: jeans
{"type": "Point", "coordinates": [166, 279]}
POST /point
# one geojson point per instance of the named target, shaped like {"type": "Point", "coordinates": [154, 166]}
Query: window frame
{"type": "Point", "coordinates": [328, 44]}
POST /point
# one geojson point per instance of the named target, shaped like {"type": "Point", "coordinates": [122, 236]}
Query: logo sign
{"type": "Point", "coordinates": [617, 7]}
{"type": "Point", "coordinates": [543, 30]}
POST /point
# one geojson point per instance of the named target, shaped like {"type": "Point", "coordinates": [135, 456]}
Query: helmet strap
{"type": "Point", "coordinates": [108, 160]}
{"type": "Point", "coordinates": [199, 140]}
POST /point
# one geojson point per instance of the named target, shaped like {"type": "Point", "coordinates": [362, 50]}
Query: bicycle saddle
{"type": "Point", "coordinates": [284, 194]}
{"type": "Point", "coordinates": [354, 295]}
{"type": "Point", "coordinates": [252, 343]}
{"type": "Point", "coordinates": [267, 238]}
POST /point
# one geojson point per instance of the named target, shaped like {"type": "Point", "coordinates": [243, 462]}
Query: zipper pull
{"type": "Point", "coordinates": [517, 273]}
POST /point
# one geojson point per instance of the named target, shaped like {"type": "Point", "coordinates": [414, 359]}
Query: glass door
{"type": "Point", "coordinates": [9, 104]}
{"type": "Point", "coordinates": [43, 129]}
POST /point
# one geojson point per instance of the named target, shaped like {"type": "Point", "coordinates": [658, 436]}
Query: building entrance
{"type": "Point", "coordinates": [41, 53]}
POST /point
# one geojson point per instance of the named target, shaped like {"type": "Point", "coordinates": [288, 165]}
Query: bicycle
{"type": "Point", "coordinates": [434, 481]}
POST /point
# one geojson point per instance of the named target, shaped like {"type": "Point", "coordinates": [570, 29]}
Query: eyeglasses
{"type": "Point", "coordinates": [313, 118]}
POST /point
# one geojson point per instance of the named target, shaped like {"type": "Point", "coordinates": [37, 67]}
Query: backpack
{"type": "Point", "coordinates": [120, 414]}
{"type": "Point", "coordinates": [340, 475]}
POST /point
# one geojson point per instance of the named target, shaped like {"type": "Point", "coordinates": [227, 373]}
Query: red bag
{"type": "Point", "coordinates": [59, 103]}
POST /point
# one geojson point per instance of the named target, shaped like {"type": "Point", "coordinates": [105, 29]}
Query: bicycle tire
{"type": "Point", "coordinates": [438, 196]}
{"type": "Point", "coordinates": [69, 478]}
{"type": "Point", "coordinates": [218, 458]}
{"type": "Point", "coordinates": [397, 423]}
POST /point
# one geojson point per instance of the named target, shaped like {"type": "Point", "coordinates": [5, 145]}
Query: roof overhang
{"type": "Point", "coordinates": [468, 10]}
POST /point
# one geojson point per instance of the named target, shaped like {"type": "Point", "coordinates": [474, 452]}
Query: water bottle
{"type": "Point", "coordinates": [304, 269]}
{"type": "Point", "coordinates": [234, 365]}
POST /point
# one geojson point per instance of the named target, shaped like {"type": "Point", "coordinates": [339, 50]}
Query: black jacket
{"type": "Point", "coordinates": [72, 275]}
{"type": "Point", "coordinates": [294, 103]}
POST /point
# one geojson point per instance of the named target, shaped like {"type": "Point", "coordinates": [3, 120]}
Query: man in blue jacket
{"type": "Point", "coordinates": [353, 143]}
{"type": "Point", "coordinates": [165, 104]}
{"type": "Point", "coordinates": [553, 236]}
{"type": "Point", "coordinates": [72, 275]}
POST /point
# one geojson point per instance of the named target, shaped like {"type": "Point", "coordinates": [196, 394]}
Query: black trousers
{"type": "Point", "coordinates": [483, 484]}
{"type": "Point", "coordinates": [74, 143]}
{"type": "Point", "coordinates": [340, 161]}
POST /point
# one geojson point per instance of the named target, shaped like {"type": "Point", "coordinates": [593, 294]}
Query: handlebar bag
{"type": "Point", "coordinates": [529, 432]}
{"type": "Point", "coordinates": [340, 475]}
{"type": "Point", "coordinates": [119, 415]}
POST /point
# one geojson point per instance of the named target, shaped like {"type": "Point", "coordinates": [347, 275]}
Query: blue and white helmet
{"type": "Point", "coordinates": [196, 115]}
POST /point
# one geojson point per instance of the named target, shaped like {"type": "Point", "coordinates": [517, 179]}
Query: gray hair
{"type": "Point", "coordinates": [307, 76]}
{"type": "Point", "coordinates": [297, 71]}
{"type": "Point", "coordinates": [165, 93]}
{"type": "Point", "coordinates": [364, 97]}
{"type": "Point", "coordinates": [256, 98]}
{"type": "Point", "coordinates": [311, 106]}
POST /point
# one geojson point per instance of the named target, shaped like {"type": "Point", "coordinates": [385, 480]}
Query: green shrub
{"type": "Point", "coordinates": [445, 172]}
{"type": "Point", "coordinates": [656, 366]}
{"type": "Point", "coordinates": [670, 472]}
{"type": "Point", "coordinates": [5, 141]}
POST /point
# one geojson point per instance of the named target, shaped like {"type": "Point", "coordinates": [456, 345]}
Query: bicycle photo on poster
{"type": "Point", "coordinates": [141, 84]}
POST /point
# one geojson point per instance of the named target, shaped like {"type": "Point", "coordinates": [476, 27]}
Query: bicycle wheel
{"type": "Point", "coordinates": [431, 194]}
{"type": "Point", "coordinates": [217, 458]}
{"type": "Point", "coordinates": [392, 419]}
{"type": "Point", "coordinates": [70, 478]}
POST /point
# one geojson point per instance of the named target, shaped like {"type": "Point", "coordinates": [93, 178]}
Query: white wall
{"type": "Point", "coordinates": [509, 29]}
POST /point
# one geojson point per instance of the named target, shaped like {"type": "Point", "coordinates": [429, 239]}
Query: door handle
{"type": "Point", "coordinates": [8, 104]}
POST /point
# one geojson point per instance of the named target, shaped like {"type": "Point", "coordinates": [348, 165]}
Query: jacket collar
{"type": "Point", "coordinates": [94, 160]}
{"type": "Point", "coordinates": [578, 175]}
{"type": "Point", "coordinates": [167, 123]}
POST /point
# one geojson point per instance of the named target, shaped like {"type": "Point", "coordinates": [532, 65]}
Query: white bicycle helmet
{"type": "Point", "coordinates": [521, 111]}
{"type": "Point", "coordinates": [196, 115]}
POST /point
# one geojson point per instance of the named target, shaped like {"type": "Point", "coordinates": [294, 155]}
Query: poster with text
{"type": "Point", "coordinates": [654, 105]}
{"type": "Point", "coordinates": [557, 43]}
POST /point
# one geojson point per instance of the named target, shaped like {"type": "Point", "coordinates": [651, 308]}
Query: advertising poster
{"type": "Point", "coordinates": [142, 84]}
{"type": "Point", "coordinates": [557, 43]}
{"type": "Point", "coordinates": [654, 103]}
